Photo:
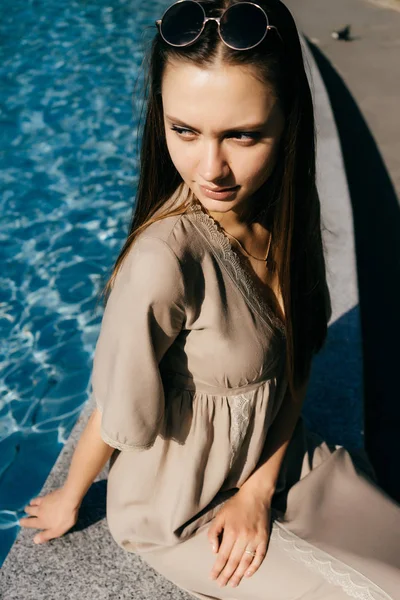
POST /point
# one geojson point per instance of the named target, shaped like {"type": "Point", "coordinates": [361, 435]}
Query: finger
{"type": "Point", "coordinates": [214, 532]}
{"type": "Point", "coordinates": [248, 566]}
{"type": "Point", "coordinates": [237, 556]}
{"type": "Point", "coordinates": [31, 510]}
{"type": "Point", "coordinates": [44, 536]}
{"type": "Point", "coordinates": [30, 522]}
{"type": "Point", "coordinates": [224, 555]}
{"type": "Point", "coordinates": [35, 501]}
{"type": "Point", "coordinates": [257, 560]}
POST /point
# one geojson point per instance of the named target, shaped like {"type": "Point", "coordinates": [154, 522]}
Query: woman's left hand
{"type": "Point", "coordinates": [245, 522]}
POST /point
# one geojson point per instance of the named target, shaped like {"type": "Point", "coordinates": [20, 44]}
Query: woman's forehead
{"type": "Point", "coordinates": [228, 92]}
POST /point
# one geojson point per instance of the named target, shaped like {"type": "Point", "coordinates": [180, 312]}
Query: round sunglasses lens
{"type": "Point", "coordinates": [182, 22]}
{"type": "Point", "coordinates": [243, 25]}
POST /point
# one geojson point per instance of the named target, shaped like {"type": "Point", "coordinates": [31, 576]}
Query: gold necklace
{"type": "Point", "coordinates": [199, 204]}
{"type": "Point", "coordinates": [248, 253]}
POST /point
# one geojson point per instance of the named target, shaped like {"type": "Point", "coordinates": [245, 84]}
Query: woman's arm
{"type": "Point", "coordinates": [264, 478]}
{"type": "Point", "coordinates": [90, 456]}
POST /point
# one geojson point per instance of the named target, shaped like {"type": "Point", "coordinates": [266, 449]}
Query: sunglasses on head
{"type": "Point", "coordinates": [241, 26]}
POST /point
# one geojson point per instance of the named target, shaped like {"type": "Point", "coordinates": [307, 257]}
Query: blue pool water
{"type": "Point", "coordinates": [68, 175]}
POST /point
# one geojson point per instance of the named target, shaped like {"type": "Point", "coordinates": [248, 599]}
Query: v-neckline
{"type": "Point", "coordinates": [236, 269]}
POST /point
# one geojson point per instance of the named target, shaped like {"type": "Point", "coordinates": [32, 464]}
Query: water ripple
{"type": "Point", "coordinates": [68, 138]}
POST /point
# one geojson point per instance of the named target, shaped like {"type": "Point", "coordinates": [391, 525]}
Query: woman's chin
{"type": "Point", "coordinates": [220, 205]}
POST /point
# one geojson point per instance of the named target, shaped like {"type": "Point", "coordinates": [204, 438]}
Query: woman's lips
{"type": "Point", "coordinates": [215, 195]}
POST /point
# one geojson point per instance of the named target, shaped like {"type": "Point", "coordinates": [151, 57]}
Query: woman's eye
{"type": "Point", "coordinates": [247, 135]}
{"type": "Point", "coordinates": [181, 130]}
{"type": "Point", "coordinates": [241, 135]}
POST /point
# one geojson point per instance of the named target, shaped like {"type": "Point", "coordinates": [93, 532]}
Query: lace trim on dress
{"type": "Point", "coordinates": [240, 418]}
{"type": "Point", "coordinates": [354, 583]}
{"type": "Point", "coordinates": [235, 267]}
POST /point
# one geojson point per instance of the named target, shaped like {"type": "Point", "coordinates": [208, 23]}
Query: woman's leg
{"type": "Point", "coordinates": [292, 570]}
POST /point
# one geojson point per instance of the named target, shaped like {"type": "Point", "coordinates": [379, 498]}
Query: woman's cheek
{"type": "Point", "coordinates": [262, 169]}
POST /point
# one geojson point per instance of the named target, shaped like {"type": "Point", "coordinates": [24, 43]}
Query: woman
{"type": "Point", "coordinates": [217, 304]}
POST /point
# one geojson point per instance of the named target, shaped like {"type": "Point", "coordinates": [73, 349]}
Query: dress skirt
{"type": "Point", "coordinates": [335, 535]}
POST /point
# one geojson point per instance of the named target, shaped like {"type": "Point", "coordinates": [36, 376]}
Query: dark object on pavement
{"type": "Point", "coordinates": [342, 34]}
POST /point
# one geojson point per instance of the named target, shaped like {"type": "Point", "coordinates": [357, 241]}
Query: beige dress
{"type": "Point", "coordinates": [189, 374]}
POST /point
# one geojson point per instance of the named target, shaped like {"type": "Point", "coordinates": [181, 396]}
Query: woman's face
{"type": "Point", "coordinates": [223, 128]}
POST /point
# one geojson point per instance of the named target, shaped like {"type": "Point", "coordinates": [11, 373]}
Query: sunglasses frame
{"type": "Point", "coordinates": [218, 21]}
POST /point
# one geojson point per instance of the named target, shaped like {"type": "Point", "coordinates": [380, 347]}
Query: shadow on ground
{"type": "Point", "coordinates": [376, 220]}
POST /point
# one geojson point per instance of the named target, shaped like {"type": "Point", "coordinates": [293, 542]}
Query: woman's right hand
{"type": "Point", "coordinates": [55, 513]}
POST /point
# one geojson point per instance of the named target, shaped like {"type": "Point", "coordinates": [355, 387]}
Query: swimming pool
{"type": "Point", "coordinates": [68, 177]}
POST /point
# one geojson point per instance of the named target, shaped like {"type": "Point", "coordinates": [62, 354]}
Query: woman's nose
{"type": "Point", "coordinates": [213, 165]}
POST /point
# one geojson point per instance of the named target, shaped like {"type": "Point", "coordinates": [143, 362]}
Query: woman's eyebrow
{"type": "Point", "coordinates": [253, 126]}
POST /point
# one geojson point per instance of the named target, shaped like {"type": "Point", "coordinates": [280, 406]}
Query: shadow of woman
{"type": "Point", "coordinates": [376, 220]}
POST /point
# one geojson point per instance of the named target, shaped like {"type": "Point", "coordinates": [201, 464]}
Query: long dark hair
{"type": "Point", "coordinates": [290, 191]}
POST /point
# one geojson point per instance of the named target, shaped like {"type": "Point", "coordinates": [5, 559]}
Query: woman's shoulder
{"type": "Point", "coordinates": [178, 233]}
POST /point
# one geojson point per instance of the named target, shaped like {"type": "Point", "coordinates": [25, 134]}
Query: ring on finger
{"type": "Point", "coordinates": [253, 554]}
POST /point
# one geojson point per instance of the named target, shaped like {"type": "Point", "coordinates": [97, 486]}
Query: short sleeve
{"type": "Point", "coordinates": [144, 314]}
